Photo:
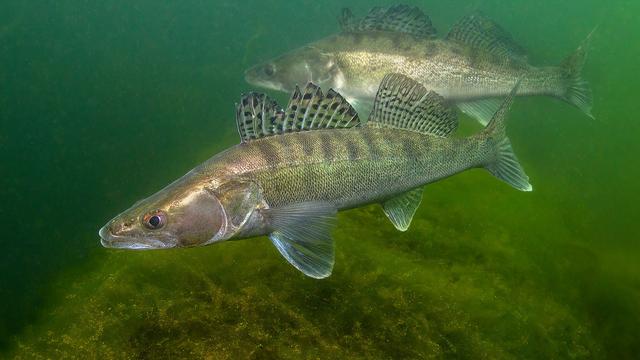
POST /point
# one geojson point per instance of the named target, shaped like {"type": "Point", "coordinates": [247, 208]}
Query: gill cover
{"type": "Point", "coordinates": [306, 64]}
{"type": "Point", "coordinates": [301, 232]}
{"type": "Point", "coordinates": [239, 201]}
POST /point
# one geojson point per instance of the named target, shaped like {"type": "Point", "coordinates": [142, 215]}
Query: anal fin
{"type": "Point", "coordinates": [503, 163]}
{"type": "Point", "coordinates": [400, 209]}
{"type": "Point", "coordinates": [302, 235]}
{"type": "Point", "coordinates": [481, 110]}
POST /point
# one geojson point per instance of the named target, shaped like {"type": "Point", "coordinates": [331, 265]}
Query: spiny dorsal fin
{"type": "Point", "coordinates": [478, 31]}
{"type": "Point", "coordinates": [403, 103]}
{"type": "Point", "coordinates": [258, 116]}
{"type": "Point", "coordinates": [396, 18]}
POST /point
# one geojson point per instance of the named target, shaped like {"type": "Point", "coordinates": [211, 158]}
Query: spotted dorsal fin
{"type": "Point", "coordinates": [478, 31]}
{"type": "Point", "coordinates": [403, 103]}
{"type": "Point", "coordinates": [258, 116]}
{"type": "Point", "coordinates": [396, 18]}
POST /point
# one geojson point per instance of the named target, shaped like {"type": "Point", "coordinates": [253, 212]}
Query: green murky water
{"type": "Point", "coordinates": [102, 103]}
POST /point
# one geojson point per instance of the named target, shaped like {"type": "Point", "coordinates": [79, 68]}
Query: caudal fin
{"type": "Point", "coordinates": [578, 91]}
{"type": "Point", "coordinates": [503, 162]}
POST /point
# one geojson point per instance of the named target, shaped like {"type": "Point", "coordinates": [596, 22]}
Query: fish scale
{"type": "Point", "coordinates": [398, 157]}
{"type": "Point", "coordinates": [452, 70]}
{"type": "Point", "coordinates": [288, 177]}
{"type": "Point", "coordinates": [475, 65]}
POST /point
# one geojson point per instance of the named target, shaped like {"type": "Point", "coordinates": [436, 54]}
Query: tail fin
{"type": "Point", "coordinates": [578, 91]}
{"type": "Point", "coordinates": [504, 164]}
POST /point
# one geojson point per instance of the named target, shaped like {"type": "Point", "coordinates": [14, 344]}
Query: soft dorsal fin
{"type": "Point", "coordinates": [478, 31]}
{"type": "Point", "coordinates": [403, 103]}
{"type": "Point", "coordinates": [258, 116]}
{"type": "Point", "coordinates": [396, 18]}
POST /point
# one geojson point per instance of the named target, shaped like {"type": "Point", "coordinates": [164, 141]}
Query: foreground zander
{"type": "Point", "coordinates": [295, 168]}
{"type": "Point", "coordinates": [475, 65]}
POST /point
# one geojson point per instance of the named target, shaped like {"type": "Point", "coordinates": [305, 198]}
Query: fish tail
{"type": "Point", "coordinates": [577, 91]}
{"type": "Point", "coordinates": [501, 160]}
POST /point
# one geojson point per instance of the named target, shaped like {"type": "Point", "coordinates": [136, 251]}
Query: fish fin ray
{"type": "Point", "coordinates": [400, 209]}
{"type": "Point", "coordinates": [302, 235]}
{"type": "Point", "coordinates": [258, 116]}
{"type": "Point", "coordinates": [255, 115]}
{"type": "Point", "coordinates": [396, 18]}
{"type": "Point", "coordinates": [403, 103]}
{"type": "Point", "coordinates": [478, 31]}
{"type": "Point", "coordinates": [504, 164]}
{"type": "Point", "coordinates": [578, 91]}
{"type": "Point", "coordinates": [481, 110]}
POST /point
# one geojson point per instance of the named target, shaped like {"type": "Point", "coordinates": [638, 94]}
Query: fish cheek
{"type": "Point", "coordinates": [200, 220]}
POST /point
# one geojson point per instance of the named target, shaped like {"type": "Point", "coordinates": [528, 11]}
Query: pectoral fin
{"type": "Point", "coordinates": [302, 234]}
{"type": "Point", "coordinates": [400, 209]}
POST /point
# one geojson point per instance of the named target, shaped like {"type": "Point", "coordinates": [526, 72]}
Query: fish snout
{"type": "Point", "coordinates": [113, 231]}
{"type": "Point", "coordinates": [250, 76]}
{"type": "Point", "coordinates": [104, 240]}
{"type": "Point", "coordinates": [108, 235]}
{"type": "Point", "coordinates": [105, 236]}
{"type": "Point", "coordinates": [123, 235]}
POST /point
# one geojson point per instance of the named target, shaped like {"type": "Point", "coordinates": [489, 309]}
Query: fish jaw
{"type": "Point", "coordinates": [251, 76]}
{"type": "Point", "coordinates": [109, 240]}
{"type": "Point", "coordinates": [310, 63]}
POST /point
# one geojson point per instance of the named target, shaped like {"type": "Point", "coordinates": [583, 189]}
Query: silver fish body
{"type": "Point", "coordinates": [295, 168]}
{"type": "Point", "coordinates": [472, 64]}
{"type": "Point", "coordinates": [452, 70]}
{"type": "Point", "coordinates": [345, 167]}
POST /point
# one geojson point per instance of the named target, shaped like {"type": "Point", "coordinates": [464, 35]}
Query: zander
{"type": "Point", "coordinates": [474, 65]}
{"type": "Point", "coordinates": [296, 167]}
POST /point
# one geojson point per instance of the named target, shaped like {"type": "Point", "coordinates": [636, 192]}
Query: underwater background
{"type": "Point", "coordinates": [104, 103]}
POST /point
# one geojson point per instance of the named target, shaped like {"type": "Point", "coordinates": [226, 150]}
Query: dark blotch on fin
{"type": "Point", "coordinates": [396, 18]}
{"type": "Point", "coordinates": [403, 103]}
{"type": "Point", "coordinates": [258, 116]}
{"type": "Point", "coordinates": [478, 31]}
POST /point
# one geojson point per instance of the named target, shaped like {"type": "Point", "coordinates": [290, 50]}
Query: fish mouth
{"type": "Point", "coordinates": [255, 80]}
{"type": "Point", "coordinates": [109, 240]}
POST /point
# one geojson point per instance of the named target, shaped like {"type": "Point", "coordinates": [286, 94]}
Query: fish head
{"type": "Point", "coordinates": [297, 67]}
{"type": "Point", "coordinates": [183, 217]}
{"type": "Point", "coordinates": [171, 218]}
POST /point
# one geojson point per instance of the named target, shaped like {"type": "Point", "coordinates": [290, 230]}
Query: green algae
{"type": "Point", "coordinates": [438, 290]}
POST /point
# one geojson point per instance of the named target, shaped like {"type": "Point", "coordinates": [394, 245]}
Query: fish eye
{"type": "Point", "coordinates": [269, 69]}
{"type": "Point", "coordinates": [154, 220]}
